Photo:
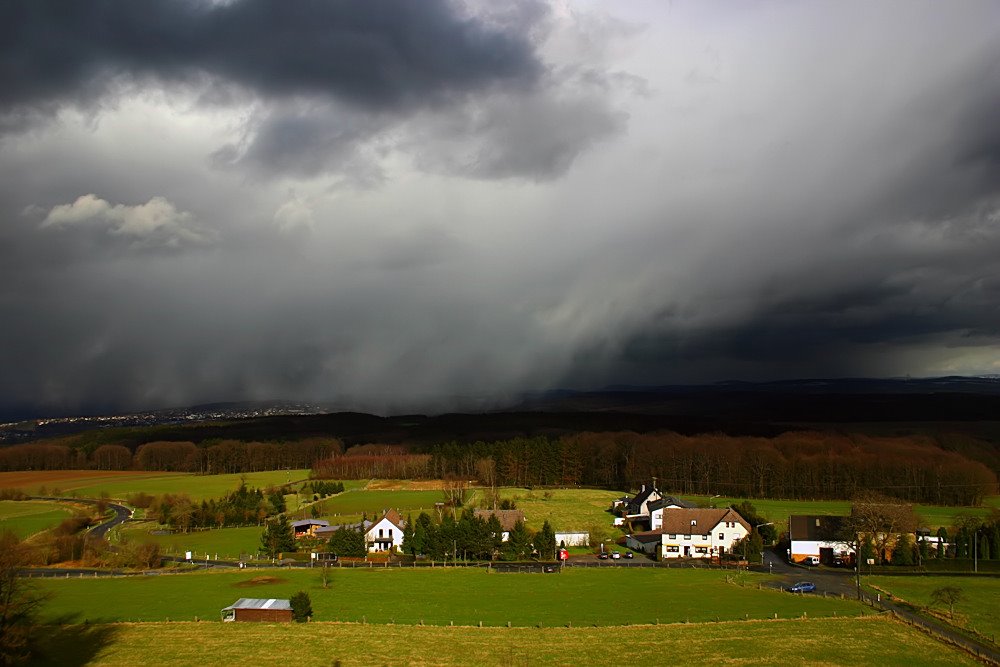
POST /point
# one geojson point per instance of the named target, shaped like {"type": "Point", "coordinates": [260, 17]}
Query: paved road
{"type": "Point", "coordinates": [842, 582]}
{"type": "Point", "coordinates": [122, 513]}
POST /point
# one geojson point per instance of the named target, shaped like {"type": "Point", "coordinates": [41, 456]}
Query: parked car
{"type": "Point", "coordinates": [602, 556]}
{"type": "Point", "coordinates": [811, 560]}
{"type": "Point", "coordinates": [615, 555]}
{"type": "Point", "coordinates": [803, 587]}
{"type": "Point", "coordinates": [628, 554]}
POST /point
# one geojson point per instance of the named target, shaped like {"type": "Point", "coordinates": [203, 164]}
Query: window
{"type": "Point", "coordinates": [704, 537]}
{"type": "Point", "coordinates": [687, 537]}
{"type": "Point", "coordinates": [390, 532]}
{"type": "Point", "coordinates": [722, 536]}
{"type": "Point", "coordinates": [380, 532]}
{"type": "Point", "coordinates": [672, 548]}
{"type": "Point", "coordinates": [701, 550]}
{"type": "Point", "coordinates": [672, 536]}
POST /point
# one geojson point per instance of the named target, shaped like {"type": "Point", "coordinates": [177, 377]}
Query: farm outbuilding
{"type": "Point", "coordinates": [260, 610]}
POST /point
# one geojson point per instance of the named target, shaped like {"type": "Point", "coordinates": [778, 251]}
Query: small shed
{"type": "Point", "coordinates": [259, 610]}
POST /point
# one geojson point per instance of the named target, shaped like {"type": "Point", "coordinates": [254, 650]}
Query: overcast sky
{"type": "Point", "coordinates": [392, 203]}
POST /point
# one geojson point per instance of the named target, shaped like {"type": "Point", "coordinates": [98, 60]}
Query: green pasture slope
{"type": "Point", "coordinates": [198, 487]}
{"type": "Point", "coordinates": [977, 611]}
{"type": "Point", "coordinates": [565, 509]}
{"type": "Point", "coordinates": [360, 501]}
{"type": "Point", "coordinates": [25, 518]}
{"type": "Point", "coordinates": [226, 543]}
{"type": "Point", "coordinates": [832, 641]}
{"type": "Point", "coordinates": [440, 596]}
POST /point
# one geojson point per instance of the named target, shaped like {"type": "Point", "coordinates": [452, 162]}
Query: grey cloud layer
{"type": "Point", "coordinates": [374, 53]}
{"type": "Point", "coordinates": [809, 191]}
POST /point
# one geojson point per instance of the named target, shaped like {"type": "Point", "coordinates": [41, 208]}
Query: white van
{"type": "Point", "coordinates": [811, 560]}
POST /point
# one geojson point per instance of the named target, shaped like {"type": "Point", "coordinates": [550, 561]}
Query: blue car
{"type": "Point", "coordinates": [803, 587]}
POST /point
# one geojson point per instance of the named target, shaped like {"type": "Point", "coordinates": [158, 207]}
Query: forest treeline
{"type": "Point", "coordinates": [798, 465]}
{"type": "Point", "coordinates": [208, 457]}
{"type": "Point", "coordinates": [947, 470]}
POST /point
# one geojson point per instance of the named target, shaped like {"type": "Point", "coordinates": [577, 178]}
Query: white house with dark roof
{"type": "Point", "coordinates": [385, 532]}
{"type": "Point", "coordinates": [666, 503]}
{"type": "Point", "coordinates": [692, 533]}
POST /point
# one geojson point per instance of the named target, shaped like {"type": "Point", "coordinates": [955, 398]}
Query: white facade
{"type": "Point", "coordinates": [383, 535]}
{"type": "Point", "coordinates": [698, 544]}
{"type": "Point", "coordinates": [656, 516]}
{"type": "Point", "coordinates": [573, 539]}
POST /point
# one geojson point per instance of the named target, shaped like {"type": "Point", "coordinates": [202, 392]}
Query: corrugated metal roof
{"type": "Point", "coordinates": [260, 603]}
{"type": "Point", "coordinates": [310, 522]}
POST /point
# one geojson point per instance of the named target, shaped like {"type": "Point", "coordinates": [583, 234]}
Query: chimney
{"type": "Point", "coordinates": [654, 483]}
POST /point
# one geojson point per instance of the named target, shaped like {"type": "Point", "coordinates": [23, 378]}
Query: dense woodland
{"type": "Point", "coordinates": [799, 465]}
{"type": "Point", "coordinates": [207, 457]}
{"type": "Point", "coordinates": [938, 469]}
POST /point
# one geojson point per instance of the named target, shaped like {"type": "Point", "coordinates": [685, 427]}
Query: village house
{"type": "Point", "coordinates": [507, 519]}
{"type": "Point", "coordinates": [325, 532]}
{"type": "Point", "coordinates": [636, 509]}
{"type": "Point", "coordinates": [692, 533]}
{"type": "Point", "coordinates": [666, 503]}
{"type": "Point", "coordinates": [307, 527]}
{"type": "Point", "coordinates": [269, 610]}
{"type": "Point", "coordinates": [822, 537]}
{"type": "Point", "coordinates": [385, 533]}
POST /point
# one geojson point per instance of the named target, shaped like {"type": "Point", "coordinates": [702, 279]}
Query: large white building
{"type": "Point", "coordinates": [692, 533]}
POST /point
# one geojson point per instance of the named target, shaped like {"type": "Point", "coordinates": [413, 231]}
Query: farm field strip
{"type": "Point", "coordinates": [441, 596]}
{"type": "Point", "coordinates": [25, 518]}
{"type": "Point", "coordinates": [977, 611]}
{"type": "Point", "coordinates": [873, 640]}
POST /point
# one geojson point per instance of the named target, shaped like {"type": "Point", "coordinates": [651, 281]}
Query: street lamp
{"type": "Point", "coordinates": [766, 523]}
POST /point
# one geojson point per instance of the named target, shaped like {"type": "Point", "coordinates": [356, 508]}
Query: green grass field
{"type": "Point", "coordinates": [199, 487]}
{"type": "Point", "coordinates": [226, 543]}
{"type": "Point", "coordinates": [91, 483]}
{"type": "Point", "coordinates": [25, 518]}
{"type": "Point", "coordinates": [869, 641]}
{"type": "Point", "coordinates": [442, 595]}
{"type": "Point", "coordinates": [978, 611]}
{"type": "Point", "coordinates": [565, 509]}
{"type": "Point", "coordinates": [778, 511]}
{"type": "Point", "coordinates": [358, 501]}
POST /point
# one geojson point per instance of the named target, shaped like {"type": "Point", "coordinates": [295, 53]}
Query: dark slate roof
{"type": "Point", "coordinates": [260, 603]}
{"type": "Point", "coordinates": [821, 528]}
{"type": "Point", "coordinates": [634, 506]}
{"type": "Point", "coordinates": [309, 522]}
{"type": "Point", "coordinates": [364, 526]}
{"type": "Point", "coordinates": [666, 501]}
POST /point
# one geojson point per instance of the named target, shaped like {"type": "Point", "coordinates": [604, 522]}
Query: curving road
{"type": "Point", "coordinates": [122, 513]}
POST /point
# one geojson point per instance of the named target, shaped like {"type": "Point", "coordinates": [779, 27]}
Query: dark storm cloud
{"type": "Point", "coordinates": [373, 53]}
{"type": "Point", "coordinates": [336, 84]}
{"type": "Point", "coordinates": [810, 191]}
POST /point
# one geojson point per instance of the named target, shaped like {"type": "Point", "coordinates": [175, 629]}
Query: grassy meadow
{"type": "Point", "coordinates": [358, 501]}
{"type": "Point", "coordinates": [872, 640]}
{"type": "Point", "coordinates": [439, 596]}
{"type": "Point", "coordinates": [226, 543]}
{"type": "Point", "coordinates": [93, 483]}
{"type": "Point", "coordinates": [25, 518]}
{"type": "Point", "coordinates": [565, 509]}
{"type": "Point", "coordinates": [977, 611]}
